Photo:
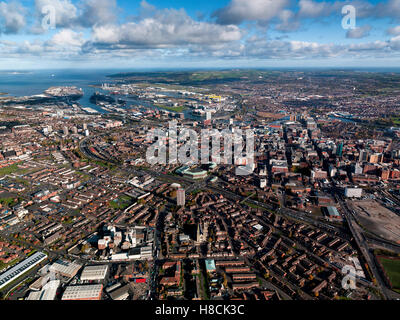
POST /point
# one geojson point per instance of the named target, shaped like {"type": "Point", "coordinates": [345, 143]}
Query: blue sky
{"type": "Point", "coordinates": [182, 33]}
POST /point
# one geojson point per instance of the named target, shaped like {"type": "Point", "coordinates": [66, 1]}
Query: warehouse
{"type": "Point", "coordinates": [94, 273]}
{"type": "Point", "coordinates": [21, 268]}
{"type": "Point", "coordinates": [65, 268]}
{"type": "Point", "coordinates": [332, 214]}
{"type": "Point", "coordinates": [48, 292]}
{"type": "Point", "coordinates": [121, 293]}
{"type": "Point", "coordinates": [87, 292]}
{"type": "Point", "coordinates": [353, 193]}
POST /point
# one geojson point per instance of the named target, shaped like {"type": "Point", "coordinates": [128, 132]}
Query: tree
{"type": "Point", "coordinates": [85, 247]}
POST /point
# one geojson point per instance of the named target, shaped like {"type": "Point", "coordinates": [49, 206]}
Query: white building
{"type": "Point", "coordinates": [65, 268]}
{"type": "Point", "coordinates": [353, 192]}
{"type": "Point", "coordinates": [87, 292]}
{"type": "Point", "coordinates": [94, 273]}
{"type": "Point", "coordinates": [48, 292]}
{"type": "Point", "coordinates": [21, 268]}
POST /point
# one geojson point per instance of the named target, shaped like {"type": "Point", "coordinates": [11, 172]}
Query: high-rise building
{"type": "Point", "coordinates": [385, 175]}
{"type": "Point", "coordinates": [358, 169]}
{"type": "Point", "coordinates": [363, 156]}
{"type": "Point", "coordinates": [180, 197]}
{"type": "Point", "coordinates": [376, 158]}
{"type": "Point", "coordinates": [339, 151]}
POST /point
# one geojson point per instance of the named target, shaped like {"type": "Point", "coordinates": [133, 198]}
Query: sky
{"type": "Point", "coordinates": [43, 34]}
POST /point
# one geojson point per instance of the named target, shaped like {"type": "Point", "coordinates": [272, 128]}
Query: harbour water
{"type": "Point", "coordinates": [28, 83]}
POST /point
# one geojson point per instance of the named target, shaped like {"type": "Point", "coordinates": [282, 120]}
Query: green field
{"type": "Point", "coordinates": [172, 109]}
{"type": "Point", "coordinates": [6, 265]}
{"type": "Point", "coordinates": [121, 203]}
{"type": "Point", "coordinates": [396, 121]}
{"type": "Point", "coordinates": [8, 201]}
{"type": "Point", "coordinates": [11, 169]}
{"type": "Point", "coordinates": [392, 269]}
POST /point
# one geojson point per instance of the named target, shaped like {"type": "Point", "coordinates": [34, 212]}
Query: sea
{"type": "Point", "coordinates": [27, 83]}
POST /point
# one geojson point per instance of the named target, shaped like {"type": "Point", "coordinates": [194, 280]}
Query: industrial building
{"type": "Point", "coordinates": [353, 192]}
{"type": "Point", "coordinates": [21, 268]}
{"type": "Point", "coordinates": [48, 292]}
{"type": "Point", "coordinates": [65, 268]}
{"type": "Point", "coordinates": [332, 214]}
{"type": "Point", "coordinates": [121, 293]}
{"type": "Point", "coordinates": [86, 292]}
{"type": "Point", "coordinates": [94, 273]}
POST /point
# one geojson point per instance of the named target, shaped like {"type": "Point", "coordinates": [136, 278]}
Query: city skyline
{"type": "Point", "coordinates": [179, 34]}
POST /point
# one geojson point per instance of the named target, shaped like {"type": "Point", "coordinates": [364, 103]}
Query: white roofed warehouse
{"type": "Point", "coordinates": [21, 268]}
{"type": "Point", "coordinates": [94, 273]}
{"type": "Point", "coordinates": [65, 268]}
{"type": "Point", "coordinates": [86, 292]}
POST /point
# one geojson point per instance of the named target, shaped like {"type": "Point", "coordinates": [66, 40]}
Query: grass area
{"type": "Point", "coordinates": [205, 290]}
{"type": "Point", "coordinates": [396, 121]}
{"type": "Point", "coordinates": [172, 109]}
{"type": "Point", "coordinates": [6, 265]}
{"type": "Point", "coordinates": [254, 206]}
{"type": "Point", "coordinates": [31, 253]}
{"type": "Point", "coordinates": [68, 221]}
{"type": "Point", "coordinates": [392, 269]}
{"type": "Point", "coordinates": [121, 203]}
{"type": "Point", "coordinates": [84, 176]}
{"type": "Point", "coordinates": [9, 202]}
{"type": "Point", "coordinates": [11, 169]}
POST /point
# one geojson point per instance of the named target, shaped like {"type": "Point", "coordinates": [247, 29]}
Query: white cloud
{"type": "Point", "coordinates": [98, 12]}
{"type": "Point", "coordinates": [358, 33]}
{"type": "Point", "coordinates": [67, 38]}
{"type": "Point", "coordinates": [65, 12]}
{"type": "Point", "coordinates": [12, 17]}
{"type": "Point", "coordinates": [167, 28]}
{"type": "Point", "coordinates": [394, 31]}
{"type": "Point", "coordinates": [288, 21]}
{"type": "Point", "coordinates": [260, 11]}
{"type": "Point", "coordinates": [162, 34]}
{"type": "Point", "coordinates": [313, 9]}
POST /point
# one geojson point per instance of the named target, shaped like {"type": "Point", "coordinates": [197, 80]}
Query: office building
{"type": "Point", "coordinates": [180, 198]}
